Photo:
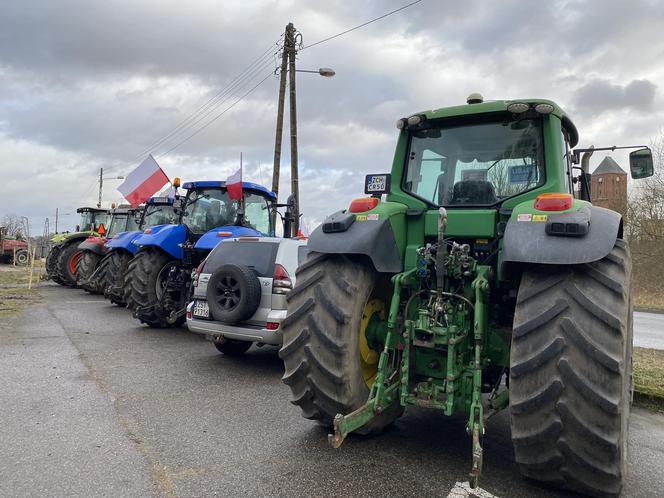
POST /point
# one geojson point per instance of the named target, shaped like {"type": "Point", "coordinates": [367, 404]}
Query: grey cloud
{"type": "Point", "coordinates": [598, 96]}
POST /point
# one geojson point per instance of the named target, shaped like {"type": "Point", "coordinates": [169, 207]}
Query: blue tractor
{"type": "Point", "coordinates": [158, 281]}
{"type": "Point", "coordinates": [120, 249]}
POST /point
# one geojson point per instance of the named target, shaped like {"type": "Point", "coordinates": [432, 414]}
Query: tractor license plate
{"type": "Point", "coordinates": [201, 309]}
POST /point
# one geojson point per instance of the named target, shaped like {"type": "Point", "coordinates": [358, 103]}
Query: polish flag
{"type": "Point", "coordinates": [234, 185]}
{"type": "Point", "coordinates": [143, 182]}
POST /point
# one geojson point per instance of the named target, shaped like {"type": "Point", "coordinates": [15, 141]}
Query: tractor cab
{"type": "Point", "coordinates": [92, 219]}
{"type": "Point", "coordinates": [157, 211]}
{"type": "Point", "coordinates": [210, 215]}
{"type": "Point", "coordinates": [123, 219]}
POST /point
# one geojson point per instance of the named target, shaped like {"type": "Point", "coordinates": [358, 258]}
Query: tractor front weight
{"type": "Point", "coordinates": [433, 344]}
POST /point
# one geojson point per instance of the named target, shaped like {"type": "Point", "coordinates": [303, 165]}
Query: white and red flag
{"type": "Point", "coordinates": [234, 185]}
{"type": "Point", "coordinates": [143, 182]}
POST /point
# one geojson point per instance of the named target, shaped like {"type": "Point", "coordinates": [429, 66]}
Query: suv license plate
{"type": "Point", "coordinates": [201, 309]}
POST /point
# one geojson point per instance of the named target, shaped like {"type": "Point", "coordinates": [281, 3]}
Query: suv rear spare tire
{"type": "Point", "coordinates": [233, 293]}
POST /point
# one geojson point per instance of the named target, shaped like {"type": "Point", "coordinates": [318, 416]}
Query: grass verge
{"type": "Point", "coordinates": [649, 378]}
{"type": "Point", "coordinates": [14, 292]}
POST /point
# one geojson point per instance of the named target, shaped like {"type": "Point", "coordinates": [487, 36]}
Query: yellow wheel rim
{"type": "Point", "coordinates": [369, 357]}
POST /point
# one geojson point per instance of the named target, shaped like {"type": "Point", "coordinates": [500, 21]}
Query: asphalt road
{"type": "Point", "coordinates": [649, 330]}
{"type": "Point", "coordinates": [94, 404]}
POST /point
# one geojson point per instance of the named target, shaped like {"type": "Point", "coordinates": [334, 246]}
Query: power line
{"type": "Point", "coordinates": [361, 25]}
{"type": "Point", "coordinates": [186, 122]}
{"type": "Point", "coordinates": [218, 116]}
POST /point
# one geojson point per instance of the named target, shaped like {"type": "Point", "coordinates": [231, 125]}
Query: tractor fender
{"type": "Point", "coordinates": [124, 241]}
{"type": "Point", "coordinates": [363, 234]}
{"type": "Point", "coordinates": [66, 238]}
{"type": "Point", "coordinates": [93, 244]}
{"type": "Point", "coordinates": [211, 238]}
{"type": "Point", "coordinates": [528, 242]}
{"type": "Point", "coordinates": [168, 238]}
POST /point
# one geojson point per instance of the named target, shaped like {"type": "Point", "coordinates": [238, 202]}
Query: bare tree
{"type": "Point", "coordinates": [644, 227]}
{"type": "Point", "coordinates": [14, 225]}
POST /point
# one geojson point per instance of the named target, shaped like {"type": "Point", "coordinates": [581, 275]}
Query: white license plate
{"type": "Point", "coordinates": [201, 309]}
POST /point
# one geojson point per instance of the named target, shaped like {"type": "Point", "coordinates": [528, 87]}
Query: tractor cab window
{"type": "Point", "coordinates": [132, 223]}
{"type": "Point", "coordinates": [476, 164]}
{"type": "Point", "coordinates": [257, 213]}
{"type": "Point", "coordinates": [87, 221]}
{"type": "Point", "coordinates": [117, 224]}
{"type": "Point", "coordinates": [206, 209]}
{"type": "Point", "coordinates": [159, 215]}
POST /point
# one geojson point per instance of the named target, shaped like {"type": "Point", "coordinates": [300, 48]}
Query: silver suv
{"type": "Point", "coordinates": [240, 291]}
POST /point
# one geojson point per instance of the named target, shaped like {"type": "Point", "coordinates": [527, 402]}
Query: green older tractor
{"type": "Point", "coordinates": [65, 254]}
{"type": "Point", "coordinates": [485, 280]}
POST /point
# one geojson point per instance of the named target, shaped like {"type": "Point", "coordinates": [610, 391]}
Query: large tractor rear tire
{"type": "Point", "coordinates": [113, 268]}
{"type": "Point", "coordinates": [143, 282]}
{"type": "Point", "coordinates": [52, 264]}
{"type": "Point", "coordinates": [66, 266]}
{"type": "Point", "coordinates": [570, 375]}
{"type": "Point", "coordinates": [322, 350]}
{"type": "Point", "coordinates": [85, 267]}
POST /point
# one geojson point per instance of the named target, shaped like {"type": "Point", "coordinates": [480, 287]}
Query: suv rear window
{"type": "Point", "coordinates": [257, 255]}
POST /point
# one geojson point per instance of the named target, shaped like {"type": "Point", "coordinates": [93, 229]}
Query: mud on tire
{"type": "Point", "coordinates": [321, 340]}
{"type": "Point", "coordinates": [570, 375]}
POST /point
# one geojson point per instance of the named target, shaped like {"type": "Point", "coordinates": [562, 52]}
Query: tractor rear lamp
{"type": "Point", "coordinates": [363, 204]}
{"type": "Point", "coordinates": [281, 282]}
{"type": "Point", "coordinates": [544, 108]}
{"type": "Point", "coordinates": [272, 325]}
{"type": "Point", "coordinates": [553, 202]}
{"type": "Point", "coordinates": [518, 107]}
{"type": "Point", "coordinates": [224, 234]}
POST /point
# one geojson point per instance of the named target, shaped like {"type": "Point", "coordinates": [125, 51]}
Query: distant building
{"type": "Point", "coordinates": [608, 186]}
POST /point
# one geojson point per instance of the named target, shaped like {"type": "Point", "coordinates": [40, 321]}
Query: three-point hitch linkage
{"type": "Point", "coordinates": [434, 339]}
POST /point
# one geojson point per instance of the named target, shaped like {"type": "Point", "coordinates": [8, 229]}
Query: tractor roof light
{"type": "Point", "coordinates": [415, 120]}
{"type": "Point", "coordinates": [363, 204]}
{"type": "Point", "coordinates": [401, 124]}
{"type": "Point", "coordinates": [147, 231]}
{"type": "Point", "coordinates": [544, 108]}
{"type": "Point", "coordinates": [518, 107]}
{"type": "Point", "coordinates": [176, 182]}
{"type": "Point", "coordinates": [554, 202]}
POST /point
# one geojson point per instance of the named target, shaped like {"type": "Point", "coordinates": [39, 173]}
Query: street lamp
{"type": "Point", "coordinates": [323, 71]}
{"type": "Point", "coordinates": [101, 182]}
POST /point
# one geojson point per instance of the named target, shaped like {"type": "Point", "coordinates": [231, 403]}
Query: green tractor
{"type": "Point", "coordinates": [65, 254]}
{"type": "Point", "coordinates": [484, 281]}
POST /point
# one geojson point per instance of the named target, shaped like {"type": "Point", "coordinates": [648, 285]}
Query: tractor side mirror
{"type": "Point", "coordinates": [641, 163]}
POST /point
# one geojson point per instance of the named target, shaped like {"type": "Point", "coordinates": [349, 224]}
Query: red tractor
{"type": "Point", "coordinates": [93, 248]}
{"type": "Point", "coordinates": [13, 249]}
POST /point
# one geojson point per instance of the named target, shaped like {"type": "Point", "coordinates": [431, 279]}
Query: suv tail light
{"type": "Point", "coordinates": [281, 282]}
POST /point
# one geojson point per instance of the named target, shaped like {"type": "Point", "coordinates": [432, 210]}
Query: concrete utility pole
{"type": "Point", "coordinates": [288, 64]}
{"type": "Point", "coordinates": [295, 189]}
{"type": "Point", "coordinates": [101, 182]}
{"type": "Point", "coordinates": [280, 119]}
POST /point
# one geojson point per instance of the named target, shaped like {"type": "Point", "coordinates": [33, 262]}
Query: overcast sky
{"type": "Point", "coordinates": [85, 85]}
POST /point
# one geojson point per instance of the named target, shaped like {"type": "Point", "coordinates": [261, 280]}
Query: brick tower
{"type": "Point", "coordinates": [608, 186]}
